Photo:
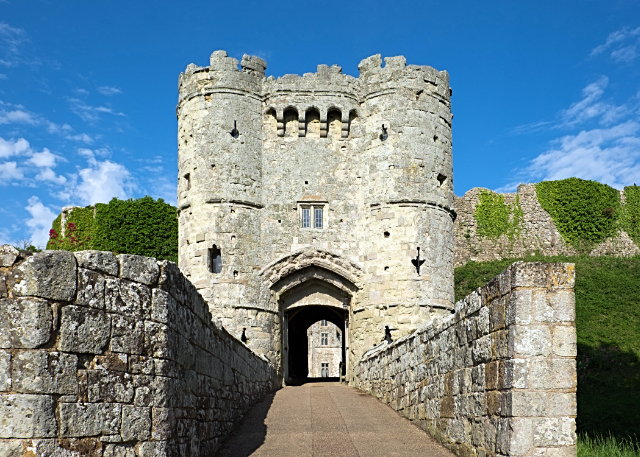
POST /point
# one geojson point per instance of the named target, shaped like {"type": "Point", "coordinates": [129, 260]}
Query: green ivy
{"type": "Point", "coordinates": [584, 212]}
{"type": "Point", "coordinates": [495, 217]}
{"type": "Point", "coordinates": [79, 226]}
{"type": "Point", "coordinates": [144, 226]}
{"type": "Point", "coordinates": [631, 213]}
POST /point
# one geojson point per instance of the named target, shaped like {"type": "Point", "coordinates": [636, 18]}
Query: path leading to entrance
{"type": "Point", "coordinates": [327, 419]}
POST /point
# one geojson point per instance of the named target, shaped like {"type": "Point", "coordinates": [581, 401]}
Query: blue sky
{"type": "Point", "coordinates": [541, 90]}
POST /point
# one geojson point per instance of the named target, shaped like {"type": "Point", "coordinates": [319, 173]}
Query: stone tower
{"type": "Point", "coordinates": [307, 197]}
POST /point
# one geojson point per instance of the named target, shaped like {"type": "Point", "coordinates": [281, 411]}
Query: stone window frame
{"type": "Point", "coordinates": [324, 339]}
{"type": "Point", "coordinates": [312, 206]}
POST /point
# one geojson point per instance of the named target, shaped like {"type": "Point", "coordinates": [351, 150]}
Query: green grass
{"type": "Point", "coordinates": [606, 447]}
{"type": "Point", "coordinates": [608, 325]}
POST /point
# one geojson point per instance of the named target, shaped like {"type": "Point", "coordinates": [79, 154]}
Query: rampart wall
{"type": "Point", "coordinates": [497, 377]}
{"type": "Point", "coordinates": [538, 233]}
{"type": "Point", "coordinates": [104, 355]}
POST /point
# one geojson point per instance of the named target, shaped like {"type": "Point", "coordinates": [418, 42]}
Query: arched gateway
{"type": "Point", "coordinates": [307, 287]}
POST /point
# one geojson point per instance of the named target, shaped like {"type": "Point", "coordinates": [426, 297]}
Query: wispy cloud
{"type": "Point", "coordinates": [109, 90]}
{"type": "Point", "coordinates": [591, 107]}
{"type": "Point", "coordinates": [618, 43]}
{"type": "Point", "coordinates": [91, 113]}
{"type": "Point", "coordinates": [11, 38]}
{"type": "Point", "coordinates": [83, 137]}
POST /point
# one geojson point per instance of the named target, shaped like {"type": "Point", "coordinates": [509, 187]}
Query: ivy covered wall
{"type": "Point", "coordinates": [584, 212]}
{"type": "Point", "coordinates": [144, 226]}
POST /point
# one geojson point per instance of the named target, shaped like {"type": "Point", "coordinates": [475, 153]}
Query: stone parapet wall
{"type": "Point", "coordinates": [538, 232]}
{"type": "Point", "coordinates": [104, 355]}
{"type": "Point", "coordinates": [497, 377]}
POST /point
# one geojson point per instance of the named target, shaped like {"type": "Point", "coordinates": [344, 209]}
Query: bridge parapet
{"type": "Point", "coordinates": [497, 377]}
{"type": "Point", "coordinates": [116, 355]}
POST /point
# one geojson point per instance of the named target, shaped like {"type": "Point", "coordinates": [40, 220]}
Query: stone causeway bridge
{"type": "Point", "coordinates": [105, 355]}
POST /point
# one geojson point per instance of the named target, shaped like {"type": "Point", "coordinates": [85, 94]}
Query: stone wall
{"type": "Point", "coordinates": [497, 377]}
{"type": "Point", "coordinates": [538, 232]}
{"type": "Point", "coordinates": [115, 356]}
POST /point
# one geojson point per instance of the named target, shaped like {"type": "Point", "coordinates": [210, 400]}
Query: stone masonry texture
{"type": "Point", "coordinates": [538, 233]}
{"type": "Point", "coordinates": [372, 152]}
{"type": "Point", "coordinates": [104, 355]}
{"type": "Point", "coordinates": [497, 377]}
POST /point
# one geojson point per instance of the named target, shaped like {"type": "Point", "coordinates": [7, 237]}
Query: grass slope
{"type": "Point", "coordinates": [608, 325]}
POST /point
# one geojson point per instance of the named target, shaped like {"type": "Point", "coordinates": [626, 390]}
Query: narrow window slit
{"type": "Point", "coordinates": [384, 135]}
{"type": "Point", "coordinates": [234, 132]}
{"type": "Point", "coordinates": [215, 259]}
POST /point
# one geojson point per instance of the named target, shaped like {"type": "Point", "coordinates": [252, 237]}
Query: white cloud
{"type": "Point", "coordinates": [90, 113]}
{"type": "Point", "coordinates": [44, 159]}
{"type": "Point", "coordinates": [40, 222]}
{"type": "Point", "coordinates": [17, 116]}
{"type": "Point", "coordinates": [10, 37]}
{"type": "Point", "coordinates": [616, 41]}
{"type": "Point", "coordinates": [80, 137]}
{"type": "Point", "coordinates": [13, 147]}
{"type": "Point", "coordinates": [591, 107]}
{"type": "Point", "coordinates": [47, 174]}
{"type": "Point", "coordinates": [10, 171]}
{"type": "Point", "coordinates": [610, 156]}
{"type": "Point", "coordinates": [100, 181]}
{"type": "Point", "coordinates": [108, 90]}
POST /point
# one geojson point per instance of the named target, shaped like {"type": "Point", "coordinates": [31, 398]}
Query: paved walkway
{"type": "Point", "coordinates": [327, 419]}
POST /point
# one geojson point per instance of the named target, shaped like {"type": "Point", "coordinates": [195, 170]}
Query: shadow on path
{"type": "Point", "coordinates": [250, 433]}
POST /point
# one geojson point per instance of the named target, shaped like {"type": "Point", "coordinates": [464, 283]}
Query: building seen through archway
{"type": "Point", "coordinates": [324, 340]}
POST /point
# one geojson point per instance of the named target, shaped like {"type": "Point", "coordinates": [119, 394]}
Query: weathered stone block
{"type": "Point", "coordinates": [11, 448]}
{"type": "Point", "coordinates": [27, 416]}
{"type": "Point", "coordinates": [561, 276]}
{"type": "Point", "coordinates": [45, 372]}
{"type": "Point", "coordinates": [520, 439]}
{"type": "Point", "coordinates": [564, 341]}
{"type": "Point", "coordinates": [119, 450]}
{"type": "Point", "coordinates": [5, 371]}
{"type": "Point", "coordinates": [127, 298]}
{"type": "Point", "coordinates": [136, 423]}
{"type": "Point", "coordinates": [516, 374]}
{"type": "Point", "coordinates": [529, 341]}
{"type": "Point", "coordinates": [554, 431]}
{"type": "Point", "coordinates": [139, 269]}
{"type": "Point", "coordinates": [526, 404]}
{"type": "Point", "coordinates": [48, 274]}
{"type": "Point", "coordinates": [553, 374]}
{"type": "Point", "coordinates": [529, 274]}
{"type": "Point", "coordinates": [109, 386]}
{"type": "Point", "coordinates": [102, 261]}
{"type": "Point", "coordinates": [25, 323]}
{"type": "Point", "coordinates": [559, 306]}
{"type": "Point", "coordinates": [562, 404]}
{"type": "Point", "coordinates": [84, 330]}
{"type": "Point", "coordinates": [519, 307]}
{"type": "Point", "coordinates": [89, 419]}
{"type": "Point", "coordinates": [8, 255]}
{"type": "Point", "coordinates": [127, 335]}
{"type": "Point", "coordinates": [90, 289]}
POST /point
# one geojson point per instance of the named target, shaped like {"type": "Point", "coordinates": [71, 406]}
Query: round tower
{"type": "Point", "coordinates": [409, 198]}
{"type": "Point", "coordinates": [220, 189]}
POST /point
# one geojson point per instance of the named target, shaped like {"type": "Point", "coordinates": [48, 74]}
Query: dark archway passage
{"type": "Point", "coordinates": [299, 320]}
